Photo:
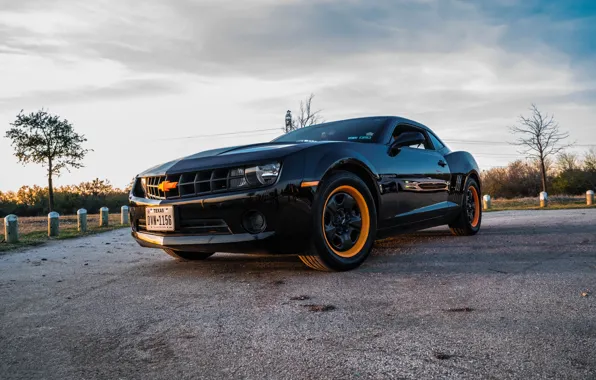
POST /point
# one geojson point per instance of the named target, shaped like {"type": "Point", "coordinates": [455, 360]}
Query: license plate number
{"type": "Point", "coordinates": [160, 218]}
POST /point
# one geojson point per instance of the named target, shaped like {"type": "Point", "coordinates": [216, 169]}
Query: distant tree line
{"type": "Point", "coordinates": [34, 200]}
{"type": "Point", "coordinates": [569, 174]}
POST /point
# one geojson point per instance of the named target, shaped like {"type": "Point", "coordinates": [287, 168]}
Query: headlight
{"type": "Point", "coordinates": [143, 183]}
{"type": "Point", "coordinates": [238, 178]}
{"type": "Point", "coordinates": [263, 174]}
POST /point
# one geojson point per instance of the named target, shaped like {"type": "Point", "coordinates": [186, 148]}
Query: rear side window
{"type": "Point", "coordinates": [436, 143]}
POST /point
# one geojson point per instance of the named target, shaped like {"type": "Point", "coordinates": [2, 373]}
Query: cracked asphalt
{"type": "Point", "coordinates": [517, 301]}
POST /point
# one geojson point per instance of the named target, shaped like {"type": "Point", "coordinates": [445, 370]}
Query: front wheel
{"type": "Point", "coordinates": [468, 222]}
{"type": "Point", "coordinates": [188, 256]}
{"type": "Point", "coordinates": [344, 225]}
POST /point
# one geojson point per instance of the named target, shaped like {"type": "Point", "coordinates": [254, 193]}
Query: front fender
{"type": "Point", "coordinates": [317, 165]}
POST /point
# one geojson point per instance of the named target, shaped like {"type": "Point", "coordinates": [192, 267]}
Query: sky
{"type": "Point", "coordinates": [150, 81]}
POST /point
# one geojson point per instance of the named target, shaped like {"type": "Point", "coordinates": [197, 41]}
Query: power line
{"type": "Point", "coordinates": [270, 130]}
{"type": "Point", "coordinates": [244, 133]}
{"type": "Point", "coordinates": [498, 142]}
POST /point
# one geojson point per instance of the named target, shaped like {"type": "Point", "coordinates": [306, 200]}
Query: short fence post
{"type": "Point", "coordinates": [543, 199]}
{"type": "Point", "coordinates": [11, 228]}
{"type": "Point", "coordinates": [486, 202]}
{"type": "Point", "coordinates": [82, 220]}
{"type": "Point", "coordinates": [124, 215]}
{"type": "Point", "coordinates": [590, 197]}
{"type": "Point", "coordinates": [53, 224]}
{"type": "Point", "coordinates": [103, 217]}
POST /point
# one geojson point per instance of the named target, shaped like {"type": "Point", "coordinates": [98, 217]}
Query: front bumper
{"type": "Point", "coordinates": [237, 243]}
{"type": "Point", "coordinates": [286, 207]}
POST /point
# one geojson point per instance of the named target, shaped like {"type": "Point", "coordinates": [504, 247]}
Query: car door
{"type": "Point", "coordinates": [422, 176]}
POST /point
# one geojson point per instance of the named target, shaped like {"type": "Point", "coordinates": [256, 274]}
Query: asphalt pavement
{"type": "Point", "coordinates": [516, 301]}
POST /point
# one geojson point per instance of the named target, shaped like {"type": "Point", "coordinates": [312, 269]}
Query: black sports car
{"type": "Point", "coordinates": [324, 192]}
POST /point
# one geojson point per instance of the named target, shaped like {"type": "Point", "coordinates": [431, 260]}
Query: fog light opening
{"type": "Point", "coordinates": [254, 222]}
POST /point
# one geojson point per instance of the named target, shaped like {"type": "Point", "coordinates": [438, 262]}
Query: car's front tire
{"type": "Point", "coordinates": [188, 256]}
{"type": "Point", "coordinates": [344, 224]}
{"type": "Point", "coordinates": [470, 217]}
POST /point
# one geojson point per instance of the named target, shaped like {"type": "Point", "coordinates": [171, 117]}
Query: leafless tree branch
{"type": "Point", "coordinates": [539, 138]}
{"type": "Point", "coordinates": [306, 117]}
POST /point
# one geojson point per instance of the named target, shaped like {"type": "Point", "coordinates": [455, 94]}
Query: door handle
{"type": "Point", "coordinates": [442, 163]}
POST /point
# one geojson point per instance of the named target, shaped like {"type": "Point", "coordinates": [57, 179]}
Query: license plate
{"type": "Point", "coordinates": [160, 218]}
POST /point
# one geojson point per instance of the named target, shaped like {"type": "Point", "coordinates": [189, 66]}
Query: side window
{"type": "Point", "coordinates": [406, 128]}
{"type": "Point", "coordinates": [436, 143]}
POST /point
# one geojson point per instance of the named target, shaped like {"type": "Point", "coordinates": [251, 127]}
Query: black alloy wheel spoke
{"type": "Point", "coordinates": [345, 241]}
{"type": "Point", "coordinates": [356, 223]}
{"type": "Point", "coordinates": [332, 206]}
{"type": "Point", "coordinates": [348, 202]}
{"type": "Point", "coordinates": [330, 231]}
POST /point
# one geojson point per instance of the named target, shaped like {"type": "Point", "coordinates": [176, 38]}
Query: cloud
{"type": "Point", "coordinates": [465, 68]}
{"type": "Point", "coordinates": [81, 94]}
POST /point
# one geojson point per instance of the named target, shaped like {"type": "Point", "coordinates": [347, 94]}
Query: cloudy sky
{"type": "Point", "coordinates": [148, 81]}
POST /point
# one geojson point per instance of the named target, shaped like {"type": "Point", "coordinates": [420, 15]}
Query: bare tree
{"type": "Point", "coordinates": [567, 161]}
{"type": "Point", "coordinates": [540, 138]}
{"type": "Point", "coordinates": [306, 116]}
{"type": "Point", "coordinates": [590, 160]}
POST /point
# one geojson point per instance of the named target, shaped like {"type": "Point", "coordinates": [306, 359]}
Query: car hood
{"type": "Point", "coordinates": [238, 155]}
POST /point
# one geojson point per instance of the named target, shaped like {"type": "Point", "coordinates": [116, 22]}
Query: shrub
{"type": "Point", "coordinates": [33, 200]}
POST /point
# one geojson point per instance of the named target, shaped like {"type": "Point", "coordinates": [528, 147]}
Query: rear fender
{"type": "Point", "coordinates": [462, 165]}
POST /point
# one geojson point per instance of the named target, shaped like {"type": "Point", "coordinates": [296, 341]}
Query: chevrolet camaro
{"type": "Point", "coordinates": [324, 192]}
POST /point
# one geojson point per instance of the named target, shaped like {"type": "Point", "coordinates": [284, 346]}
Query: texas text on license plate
{"type": "Point", "coordinates": [160, 218]}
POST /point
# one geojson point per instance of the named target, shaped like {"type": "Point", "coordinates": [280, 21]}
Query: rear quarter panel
{"type": "Point", "coordinates": [462, 165]}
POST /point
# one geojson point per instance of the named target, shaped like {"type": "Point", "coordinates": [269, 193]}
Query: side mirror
{"type": "Point", "coordinates": [406, 139]}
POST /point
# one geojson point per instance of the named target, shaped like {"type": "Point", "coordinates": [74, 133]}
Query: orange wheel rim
{"type": "Point", "coordinates": [475, 207]}
{"type": "Point", "coordinates": [345, 221]}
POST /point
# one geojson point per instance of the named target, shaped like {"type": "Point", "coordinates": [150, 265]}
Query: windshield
{"type": "Point", "coordinates": [357, 130]}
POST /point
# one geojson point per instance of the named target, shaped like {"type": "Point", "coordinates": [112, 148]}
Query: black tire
{"type": "Point", "coordinates": [345, 209]}
{"type": "Point", "coordinates": [188, 256]}
{"type": "Point", "coordinates": [469, 220]}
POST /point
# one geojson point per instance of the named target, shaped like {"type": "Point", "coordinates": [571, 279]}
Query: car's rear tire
{"type": "Point", "coordinates": [344, 224]}
{"type": "Point", "coordinates": [188, 256]}
{"type": "Point", "coordinates": [470, 217]}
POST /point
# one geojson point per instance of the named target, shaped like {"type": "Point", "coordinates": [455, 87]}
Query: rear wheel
{"type": "Point", "coordinates": [188, 256]}
{"type": "Point", "coordinates": [344, 225]}
{"type": "Point", "coordinates": [470, 218]}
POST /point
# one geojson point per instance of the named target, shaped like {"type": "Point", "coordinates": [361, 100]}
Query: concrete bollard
{"type": "Point", "coordinates": [103, 216]}
{"type": "Point", "coordinates": [11, 228]}
{"type": "Point", "coordinates": [82, 220]}
{"type": "Point", "coordinates": [543, 199]}
{"type": "Point", "coordinates": [486, 203]}
{"type": "Point", "coordinates": [590, 197]}
{"type": "Point", "coordinates": [53, 224]}
{"type": "Point", "coordinates": [124, 215]}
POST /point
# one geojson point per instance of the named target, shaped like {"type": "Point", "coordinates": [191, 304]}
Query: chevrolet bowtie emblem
{"type": "Point", "coordinates": [166, 186]}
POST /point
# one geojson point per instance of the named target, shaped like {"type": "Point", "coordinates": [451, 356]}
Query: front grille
{"type": "Point", "coordinates": [153, 191]}
{"type": "Point", "coordinates": [195, 226]}
{"type": "Point", "coordinates": [194, 183]}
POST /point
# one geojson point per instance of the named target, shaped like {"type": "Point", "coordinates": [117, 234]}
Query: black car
{"type": "Point", "coordinates": [324, 192]}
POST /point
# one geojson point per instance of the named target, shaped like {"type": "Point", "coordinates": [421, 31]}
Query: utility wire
{"type": "Point", "coordinates": [497, 142]}
{"type": "Point", "coordinates": [244, 133]}
{"type": "Point", "coordinates": [271, 130]}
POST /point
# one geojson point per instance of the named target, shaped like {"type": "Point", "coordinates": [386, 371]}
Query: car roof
{"type": "Point", "coordinates": [390, 120]}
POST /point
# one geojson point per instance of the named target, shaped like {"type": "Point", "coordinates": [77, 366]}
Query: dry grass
{"type": "Point", "coordinates": [40, 223]}
{"type": "Point", "coordinates": [33, 230]}
{"type": "Point", "coordinates": [554, 202]}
